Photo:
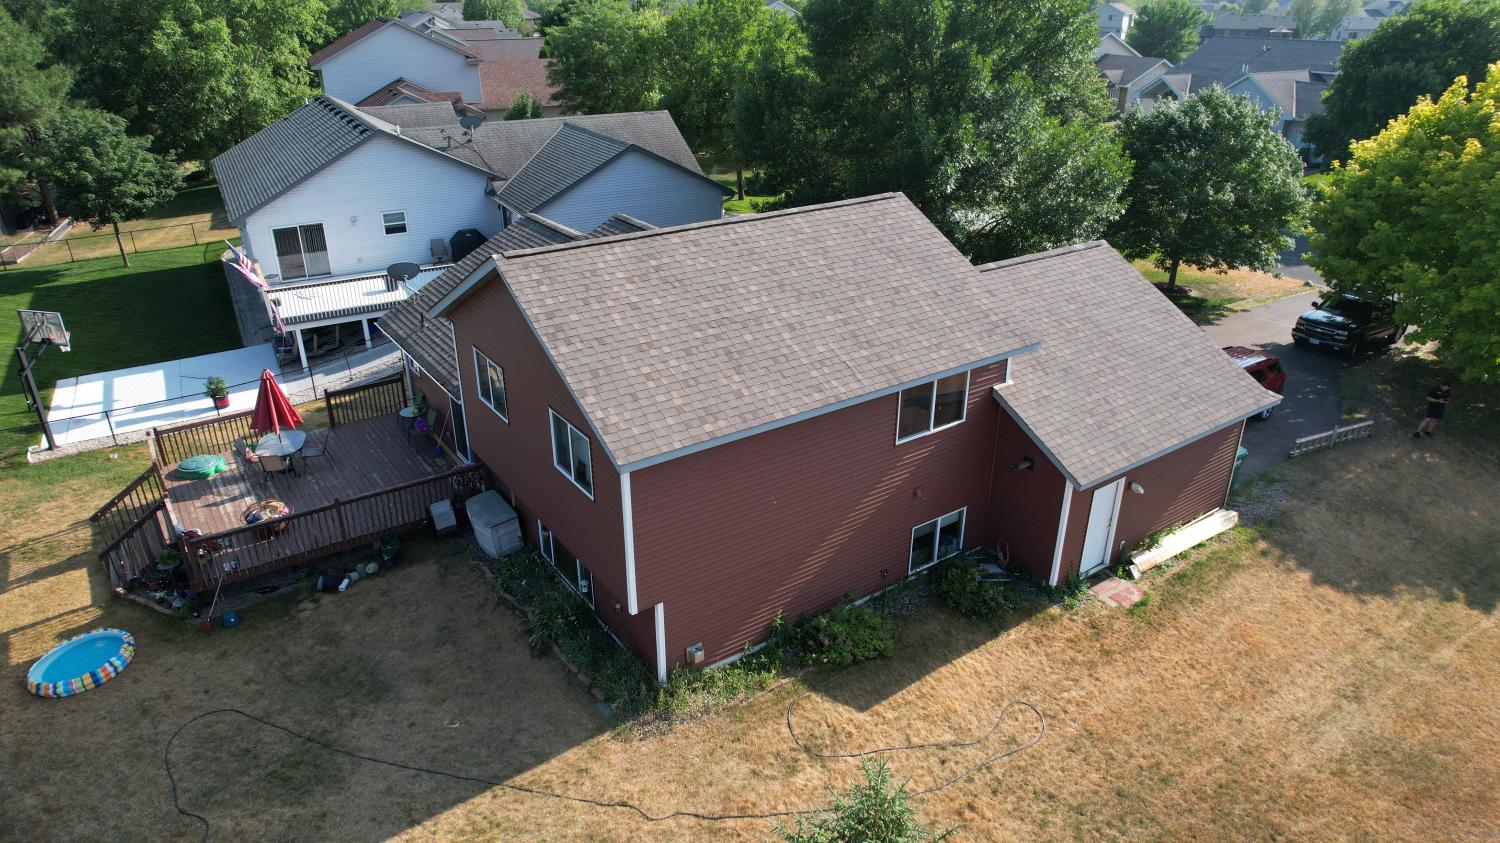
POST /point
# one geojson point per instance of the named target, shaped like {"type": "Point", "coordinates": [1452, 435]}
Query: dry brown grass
{"type": "Point", "coordinates": [1236, 289]}
{"type": "Point", "coordinates": [1330, 676]}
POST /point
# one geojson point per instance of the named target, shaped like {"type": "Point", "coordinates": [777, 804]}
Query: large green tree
{"type": "Point", "coordinates": [31, 89]}
{"type": "Point", "coordinates": [197, 75]}
{"type": "Point", "coordinates": [1317, 18]}
{"type": "Point", "coordinates": [1213, 186]}
{"type": "Point", "coordinates": [103, 176]}
{"type": "Point", "coordinates": [512, 12]}
{"type": "Point", "coordinates": [709, 46]}
{"type": "Point", "coordinates": [608, 57]}
{"type": "Point", "coordinates": [524, 107]}
{"type": "Point", "coordinates": [348, 15]}
{"type": "Point", "coordinates": [1409, 56]}
{"type": "Point", "coordinates": [1255, 7]}
{"type": "Point", "coordinates": [989, 116]}
{"type": "Point", "coordinates": [1167, 29]}
{"type": "Point", "coordinates": [1415, 213]}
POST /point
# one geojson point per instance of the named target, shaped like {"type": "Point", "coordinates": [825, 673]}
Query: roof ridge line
{"type": "Point", "coordinates": [694, 226]}
{"type": "Point", "coordinates": [554, 225]}
{"type": "Point", "coordinates": [1040, 256]}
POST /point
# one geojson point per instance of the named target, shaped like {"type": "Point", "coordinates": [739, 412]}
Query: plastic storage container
{"type": "Point", "coordinates": [496, 527]}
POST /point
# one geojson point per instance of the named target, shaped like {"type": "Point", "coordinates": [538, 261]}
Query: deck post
{"type": "Point", "coordinates": [365, 324]}
{"type": "Point", "coordinates": [301, 349]}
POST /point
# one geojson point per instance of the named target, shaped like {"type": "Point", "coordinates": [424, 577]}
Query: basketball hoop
{"type": "Point", "coordinates": [44, 327]}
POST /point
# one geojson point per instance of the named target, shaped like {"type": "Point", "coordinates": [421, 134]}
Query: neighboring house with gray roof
{"type": "Point", "coordinates": [707, 426]}
{"type": "Point", "coordinates": [1291, 95]}
{"type": "Point", "coordinates": [335, 193]}
{"type": "Point", "coordinates": [1115, 19]}
{"type": "Point", "coordinates": [485, 63]}
{"type": "Point", "coordinates": [1227, 22]}
{"type": "Point", "coordinates": [1356, 27]}
{"type": "Point", "coordinates": [581, 177]}
{"type": "Point", "coordinates": [1126, 77]}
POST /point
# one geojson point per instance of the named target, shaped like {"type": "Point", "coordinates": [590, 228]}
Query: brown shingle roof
{"type": "Point", "coordinates": [402, 86]}
{"type": "Point", "coordinates": [1122, 374]}
{"type": "Point", "coordinates": [681, 338]}
{"type": "Point", "coordinates": [500, 80]}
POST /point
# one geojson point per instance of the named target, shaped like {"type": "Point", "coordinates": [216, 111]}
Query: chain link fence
{"type": "Point", "coordinates": [74, 245]}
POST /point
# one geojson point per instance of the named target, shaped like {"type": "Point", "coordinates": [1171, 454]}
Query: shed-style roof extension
{"type": "Point", "coordinates": [1122, 375]}
{"type": "Point", "coordinates": [682, 338]}
{"type": "Point", "coordinates": [414, 115]}
{"type": "Point", "coordinates": [428, 339]}
{"type": "Point", "coordinates": [403, 87]}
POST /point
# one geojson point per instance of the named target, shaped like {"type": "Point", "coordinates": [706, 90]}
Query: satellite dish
{"type": "Point", "coordinates": [470, 122]}
{"type": "Point", "coordinates": [404, 271]}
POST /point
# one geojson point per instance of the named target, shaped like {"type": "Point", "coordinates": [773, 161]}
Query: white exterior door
{"type": "Point", "coordinates": [1101, 531]}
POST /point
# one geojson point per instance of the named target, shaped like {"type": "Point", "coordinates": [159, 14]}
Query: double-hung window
{"type": "Point", "coordinates": [936, 540]}
{"type": "Point", "coordinates": [394, 221]}
{"type": "Point", "coordinates": [570, 454]}
{"type": "Point", "coordinates": [301, 251]}
{"type": "Point", "coordinates": [491, 380]}
{"type": "Point", "coordinates": [932, 406]}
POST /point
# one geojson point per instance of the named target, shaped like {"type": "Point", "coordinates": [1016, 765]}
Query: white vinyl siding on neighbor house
{"type": "Point", "coordinates": [438, 197]}
{"type": "Point", "coordinates": [374, 61]}
{"type": "Point", "coordinates": [641, 186]}
{"type": "Point", "coordinates": [1251, 90]}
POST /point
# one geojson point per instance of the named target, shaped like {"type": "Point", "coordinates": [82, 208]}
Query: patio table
{"type": "Point", "coordinates": [284, 444]}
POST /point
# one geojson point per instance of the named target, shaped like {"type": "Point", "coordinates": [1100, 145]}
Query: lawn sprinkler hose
{"type": "Point", "coordinates": [625, 805]}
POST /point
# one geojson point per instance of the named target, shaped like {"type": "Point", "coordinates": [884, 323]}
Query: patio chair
{"type": "Point", "coordinates": [275, 464]}
{"type": "Point", "coordinates": [317, 445]}
{"type": "Point", "coordinates": [245, 454]}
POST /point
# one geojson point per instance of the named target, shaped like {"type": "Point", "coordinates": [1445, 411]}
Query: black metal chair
{"type": "Point", "coordinates": [317, 445]}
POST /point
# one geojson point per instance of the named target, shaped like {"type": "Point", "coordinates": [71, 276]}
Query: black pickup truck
{"type": "Point", "coordinates": [1344, 323]}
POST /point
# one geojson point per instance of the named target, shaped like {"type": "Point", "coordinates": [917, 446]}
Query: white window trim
{"type": "Point", "coordinates": [549, 553]}
{"type": "Point", "coordinates": [931, 410]}
{"type": "Point", "coordinates": [963, 525]}
{"type": "Point", "coordinates": [480, 379]}
{"type": "Point", "coordinates": [545, 546]}
{"type": "Point", "coordinates": [298, 225]}
{"type": "Point", "coordinates": [405, 224]}
{"type": "Point", "coordinates": [552, 433]}
{"type": "Point", "coordinates": [1005, 381]}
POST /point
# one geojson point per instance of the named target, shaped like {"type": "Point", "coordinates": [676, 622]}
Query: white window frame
{"type": "Point", "coordinates": [271, 230]}
{"type": "Point", "coordinates": [481, 379]}
{"type": "Point", "coordinates": [547, 547]}
{"type": "Point", "coordinates": [932, 409]}
{"type": "Point", "coordinates": [568, 472]}
{"type": "Point", "coordinates": [963, 524]}
{"type": "Point", "coordinates": [386, 226]}
{"type": "Point", "coordinates": [544, 542]}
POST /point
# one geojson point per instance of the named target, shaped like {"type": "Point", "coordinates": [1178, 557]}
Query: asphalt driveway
{"type": "Point", "coordinates": [1311, 404]}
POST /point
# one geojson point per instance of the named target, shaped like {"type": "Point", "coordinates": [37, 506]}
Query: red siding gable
{"type": "Point", "coordinates": [792, 519]}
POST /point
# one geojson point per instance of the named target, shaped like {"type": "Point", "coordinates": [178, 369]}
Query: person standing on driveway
{"type": "Point", "coordinates": [1437, 400]}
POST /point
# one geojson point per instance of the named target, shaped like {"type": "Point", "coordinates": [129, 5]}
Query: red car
{"type": "Point", "coordinates": [1263, 367]}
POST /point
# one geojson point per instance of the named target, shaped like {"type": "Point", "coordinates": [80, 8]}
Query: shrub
{"type": "Point", "coordinates": [1070, 593]}
{"type": "Point", "coordinates": [959, 586]}
{"type": "Point", "coordinates": [871, 812]}
{"type": "Point", "coordinates": [847, 635]}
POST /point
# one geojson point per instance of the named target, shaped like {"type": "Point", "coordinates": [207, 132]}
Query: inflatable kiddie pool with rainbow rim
{"type": "Point", "coordinates": [81, 663]}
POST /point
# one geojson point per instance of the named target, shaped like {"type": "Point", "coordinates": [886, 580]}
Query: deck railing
{"type": "Point", "coordinates": [256, 549]}
{"type": "Point", "coordinates": [384, 397]}
{"type": "Point", "coordinates": [134, 550]}
{"type": "Point", "coordinates": [213, 436]}
{"type": "Point", "coordinates": [127, 507]}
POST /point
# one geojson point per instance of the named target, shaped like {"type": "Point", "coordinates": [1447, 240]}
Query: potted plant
{"type": "Point", "coordinates": [216, 389]}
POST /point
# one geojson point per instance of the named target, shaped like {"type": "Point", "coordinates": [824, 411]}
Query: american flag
{"type": "Point", "coordinates": [246, 268]}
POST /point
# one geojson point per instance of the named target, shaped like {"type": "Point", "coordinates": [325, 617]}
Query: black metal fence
{"type": "Point", "coordinates": [377, 398]}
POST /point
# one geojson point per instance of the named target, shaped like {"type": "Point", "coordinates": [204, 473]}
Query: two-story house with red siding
{"type": "Point", "coordinates": [706, 425]}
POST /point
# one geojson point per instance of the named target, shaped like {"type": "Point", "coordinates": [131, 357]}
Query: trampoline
{"type": "Point", "coordinates": [81, 663]}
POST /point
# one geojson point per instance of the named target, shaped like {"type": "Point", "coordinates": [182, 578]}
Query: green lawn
{"type": "Point", "coordinates": [733, 204]}
{"type": "Point", "coordinates": [169, 304]}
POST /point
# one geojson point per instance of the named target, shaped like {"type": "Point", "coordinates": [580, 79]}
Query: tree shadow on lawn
{"type": "Point", "coordinates": [418, 665]}
{"type": "Point", "coordinates": [1390, 516]}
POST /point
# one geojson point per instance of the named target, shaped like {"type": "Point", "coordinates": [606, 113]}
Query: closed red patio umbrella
{"type": "Point", "coordinates": [272, 409]}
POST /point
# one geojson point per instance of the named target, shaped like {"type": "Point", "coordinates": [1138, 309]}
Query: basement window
{"type": "Point", "coordinates": [395, 222]}
{"type": "Point", "coordinates": [932, 406]}
{"type": "Point", "coordinates": [575, 575]}
{"type": "Point", "coordinates": [570, 454]}
{"type": "Point", "coordinates": [937, 540]}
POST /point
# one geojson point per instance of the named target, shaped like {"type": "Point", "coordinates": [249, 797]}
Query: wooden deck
{"type": "Point", "coordinates": [363, 456]}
